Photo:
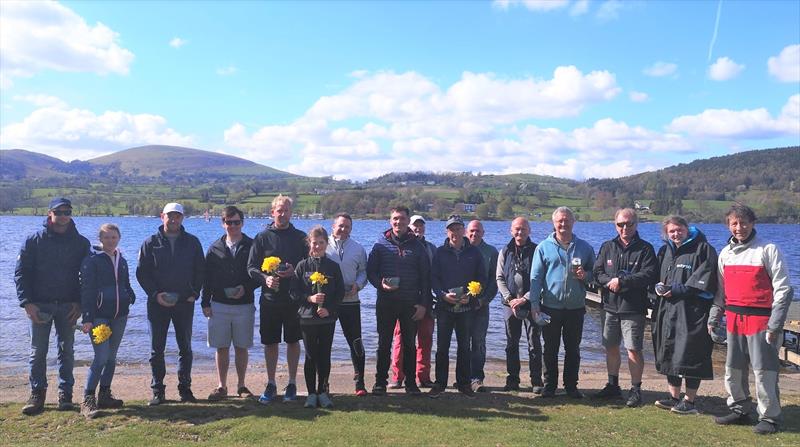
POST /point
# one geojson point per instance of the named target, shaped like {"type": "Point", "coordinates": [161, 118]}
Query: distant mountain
{"type": "Point", "coordinates": [18, 163]}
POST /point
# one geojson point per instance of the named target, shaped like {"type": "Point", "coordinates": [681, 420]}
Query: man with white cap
{"type": "Point", "coordinates": [170, 271]}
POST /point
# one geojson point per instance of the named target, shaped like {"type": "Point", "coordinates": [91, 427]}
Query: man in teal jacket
{"type": "Point", "coordinates": [561, 271]}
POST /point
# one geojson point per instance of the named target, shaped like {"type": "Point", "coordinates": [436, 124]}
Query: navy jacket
{"type": "Point", "coordinates": [405, 258]}
{"type": "Point", "coordinates": [225, 270]}
{"type": "Point", "coordinates": [635, 265]}
{"type": "Point", "coordinates": [161, 270]}
{"type": "Point", "coordinates": [456, 268]}
{"type": "Point", "coordinates": [48, 264]}
{"type": "Point", "coordinates": [290, 245]}
{"type": "Point", "coordinates": [302, 288]}
{"type": "Point", "coordinates": [104, 294]}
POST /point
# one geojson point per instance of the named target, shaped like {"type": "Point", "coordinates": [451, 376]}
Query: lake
{"type": "Point", "coordinates": [135, 348]}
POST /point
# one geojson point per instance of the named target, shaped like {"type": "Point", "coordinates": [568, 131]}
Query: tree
{"type": "Point", "coordinates": [482, 211]}
{"type": "Point", "coordinates": [505, 209]}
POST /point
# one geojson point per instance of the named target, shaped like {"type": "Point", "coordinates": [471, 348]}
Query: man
{"type": "Point", "coordinates": [625, 267]}
{"type": "Point", "coordinates": [48, 289]}
{"type": "Point", "coordinates": [399, 269]}
{"type": "Point", "coordinates": [561, 271]}
{"type": "Point", "coordinates": [424, 327]}
{"type": "Point", "coordinates": [352, 260]}
{"type": "Point", "coordinates": [277, 310]}
{"type": "Point", "coordinates": [513, 275]}
{"type": "Point", "coordinates": [480, 322]}
{"type": "Point", "coordinates": [228, 301]}
{"type": "Point", "coordinates": [170, 271]}
{"type": "Point", "coordinates": [754, 293]}
{"type": "Point", "coordinates": [455, 265]}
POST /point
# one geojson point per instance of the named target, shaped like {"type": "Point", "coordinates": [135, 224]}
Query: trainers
{"type": "Point", "coordinates": [65, 401]}
{"type": "Point", "coordinates": [158, 399]}
{"type": "Point", "coordinates": [218, 394]}
{"type": "Point", "coordinates": [106, 400]}
{"type": "Point", "coordinates": [574, 393]}
{"type": "Point", "coordinates": [537, 389]}
{"type": "Point", "coordinates": [243, 392]}
{"type": "Point", "coordinates": [269, 394]}
{"type": "Point", "coordinates": [361, 392]}
{"type": "Point", "coordinates": [187, 396]}
{"type": "Point", "coordinates": [684, 407]}
{"type": "Point", "coordinates": [667, 404]}
{"type": "Point", "coordinates": [634, 398]}
{"type": "Point", "coordinates": [35, 403]}
{"type": "Point", "coordinates": [396, 385]}
{"type": "Point", "coordinates": [311, 401]}
{"type": "Point", "coordinates": [548, 392]}
{"type": "Point", "coordinates": [325, 400]}
{"type": "Point", "coordinates": [477, 386]}
{"type": "Point", "coordinates": [608, 391]}
{"type": "Point", "coordinates": [379, 390]}
{"type": "Point", "coordinates": [426, 384]}
{"type": "Point", "coordinates": [436, 391]}
{"type": "Point", "coordinates": [511, 385]}
{"type": "Point", "coordinates": [733, 418]}
{"type": "Point", "coordinates": [467, 391]}
{"type": "Point", "coordinates": [290, 392]}
{"type": "Point", "coordinates": [89, 406]}
{"type": "Point", "coordinates": [765, 428]}
{"type": "Point", "coordinates": [413, 390]}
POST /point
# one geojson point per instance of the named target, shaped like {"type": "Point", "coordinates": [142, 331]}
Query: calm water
{"type": "Point", "coordinates": [14, 339]}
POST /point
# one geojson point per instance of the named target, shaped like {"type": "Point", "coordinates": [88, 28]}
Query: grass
{"type": "Point", "coordinates": [498, 419]}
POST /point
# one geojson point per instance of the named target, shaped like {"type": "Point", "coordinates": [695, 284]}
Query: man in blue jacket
{"type": "Point", "coordinates": [48, 289]}
{"type": "Point", "coordinates": [561, 271]}
{"type": "Point", "coordinates": [170, 271]}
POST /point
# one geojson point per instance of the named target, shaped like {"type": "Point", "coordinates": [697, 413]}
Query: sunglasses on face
{"type": "Point", "coordinates": [626, 224]}
{"type": "Point", "coordinates": [62, 213]}
{"type": "Point", "coordinates": [233, 222]}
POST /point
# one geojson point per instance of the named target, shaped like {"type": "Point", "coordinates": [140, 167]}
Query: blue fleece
{"type": "Point", "coordinates": [552, 283]}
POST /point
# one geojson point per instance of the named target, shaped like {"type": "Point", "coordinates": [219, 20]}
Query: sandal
{"type": "Point", "coordinates": [218, 394]}
{"type": "Point", "coordinates": [244, 392]}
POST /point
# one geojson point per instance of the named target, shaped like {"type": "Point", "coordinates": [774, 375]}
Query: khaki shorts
{"type": "Point", "coordinates": [626, 327]}
{"type": "Point", "coordinates": [231, 323]}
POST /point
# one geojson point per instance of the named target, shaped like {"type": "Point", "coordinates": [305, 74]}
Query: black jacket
{"type": "Point", "coordinates": [514, 260]}
{"type": "Point", "coordinates": [405, 258]}
{"type": "Point", "coordinates": [452, 269]}
{"type": "Point", "coordinates": [636, 267]}
{"type": "Point", "coordinates": [103, 293]}
{"type": "Point", "coordinates": [161, 270]}
{"type": "Point", "coordinates": [289, 244]}
{"type": "Point", "coordinates": [48, 264]}
{"type": "Point", "coordinates": [302, 288]}
{"type": "Point", "coordinates": [225, 270]}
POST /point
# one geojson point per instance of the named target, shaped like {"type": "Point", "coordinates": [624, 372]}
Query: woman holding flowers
{"type": "Point", "coordinates": [106, 296]}
{"type": "Point", "coordinates": [318, 289]}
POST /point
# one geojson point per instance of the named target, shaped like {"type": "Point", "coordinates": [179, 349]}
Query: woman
{"type": "Point", "coordinates": [106, 296]}
{"type": "Point", "coordinates": [688, 281]}
{"type": "Point", "coordinates": [317, 310]}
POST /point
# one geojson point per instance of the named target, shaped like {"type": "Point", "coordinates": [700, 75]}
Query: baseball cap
{"type": "Point", "coordinates": [453, 220]}
{"type": "Point", "coordinates": [173, 207]}
{"type": "Point", "coordinates": [415, 218]}
{"type": "Point", "coordinates": [59, 201]}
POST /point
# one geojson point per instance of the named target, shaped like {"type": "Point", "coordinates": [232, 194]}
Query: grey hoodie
{"type": "Point", "coordinates": [352, 260]}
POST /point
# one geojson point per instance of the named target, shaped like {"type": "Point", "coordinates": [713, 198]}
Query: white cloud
{"type": "Point", "coordinates": [532, 5]}
{"type": "Point", "coordinates": [69, 133]}
{"type": "Point", "coordinates": [609, 10]}
{"type": "Point", "coordinates": [786, 66]}
{"type": "Point", "coordinates": [660, 69]}
{"type": "Point", "coordinates": [37, 36]}
{"type": "Point", "coordinates": [41, 100]}
{"type": "Point", "coordinates": [754, 124]}
{"type": "Point", "coordinates": [724, 69]}
{"type": "Point", "coordinates": [638, 96]}
{"type": "Point", "coordinates": [227, 71]}
{"type": "Point", "coordinates": [579, 8]}
{"type": "Point", "coordinates": [177, 42]}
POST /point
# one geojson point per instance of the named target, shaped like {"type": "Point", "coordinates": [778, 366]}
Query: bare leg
{"type": "Point", "coordinates": [635, 365]}
{"type": "Point", "coordinates": [691, 394]}
{"type": "Point", "coordinates": [241, 357]}
{"type": "Point", "coordinates": [292, 358]}
{"type": "Point", "coordinates": [675, 391]}
{"type": "Point", "coordinates": [271, 358]}
{"type": "Point", "coordinates": [613, 360]}
{"type": "Point", "coordinates": [223, 361]}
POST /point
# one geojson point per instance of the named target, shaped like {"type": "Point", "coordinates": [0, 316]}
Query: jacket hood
{"type": "Point", "coordinates": [695, 235]}
{"type": "Point", "coordinates": [71, 228]}
{"type": "Point", "coordinates": [389, 235]}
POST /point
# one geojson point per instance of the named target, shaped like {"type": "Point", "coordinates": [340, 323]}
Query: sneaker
{"type": "Point", "coordinates": [396, 385]}
{"type": "Point", "coordinates": [668, 403]}
{"type": "Point", "coordinates": [765, 428]}
{"type": "Point", "coordinates": [361, 392]}
{"type": "Point", "coordinates": [467, 391]}
{"type": "Point", "coordinates": [269, 394]}
{"type": "Point", "coordinates": [89, 406]}
{"type": "Point", "coordinates": [65, 401]}
{"type": "Point", "coordinates": [158, 399]}
{"type": "Point", "coordinates": [311, 401]}
{"type": "Point", "coordinates": [548, 392]}
{"type": "Point", "coordinates": [634, 398]}
{"type": "Point", "coordinates": [574, 393]}
{"type": "Point", "coordinates": [107, 400]}
{"type": "Point", "coordinates": [733, 418]}
{"type": "Point", "coordinates": [245, 393]}
{"type": "Point", "coordinates": [187, 396]}
{"type": "Point", "coordinates": [325, 400]}
{"type": "Point", "coordinates": [537, 389]}
{"type": "Point", "coordinates": [426, 384]}
{"type": "Point", "coordinates": [413, 390]}
{"type": "Point", "coordinates": [511, 385]}
{"type": "Point", "coordinates": [218, 394]}
{"type": "Point", "coordinates": [477, 386]}
{"type": "Point", "coordinates": [436, 391]}
{"type": "Point", "coordinates": [608, 391]}
{"type": "Point", "coordinates": [290, 392]}
{"type": "Point", "coordinates": [379, 390]}
{"type": "Point", "coordinates": [35, 403]}
{"type": "Point", "coordinates": [684, 407]}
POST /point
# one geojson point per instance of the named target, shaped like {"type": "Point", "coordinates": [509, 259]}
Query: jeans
{"type": "Point", "coordinates": [317, 340]}
{"type": "Point", "coordinates": [105, 354]}
{"type": "Point", "coordinates": [388, 313]}
{"type": "Point", "coordinates": [566, 325]}
{"type": "Point", "coordinates": [477, 350]}
{"type": "Point", "coordinates": [445, 323]}
{"type": "Point", "coordinates": [40, 343]}
{"type": "Point", "coordinates": [350, 320]}
{"type": "Point", "coordinates": [159, 317]}
{"type": "Point", "coordinates": [533, 336]}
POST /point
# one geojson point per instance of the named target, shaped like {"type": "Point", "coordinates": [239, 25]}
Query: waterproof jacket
{"type": "Point", "coordinates": [302, 288]}
{"type": "Point", "coordinates": [514, 270]}
{"type": "Point", "coordinates": [552, 283]}
{"type": "Point", "coordinates": [490, 255]}
{"type": "Point", "coordinates": [635, 265]}
{"type": "Point", "coordinates": [404, 257]}
{"type": "Point", "coordinates": [48, 264]}
{"type": "Point", "coordinates": [162, 269]}
{"type": "Point", "coordinates": [456, 268]}
{"type": "Point", "coordinates": [225, 270]}
{"type": "Point", "coordinates": [681, 342]}
{"type": "Point", "coordinates": [106, 290]}
{"type": "Point", "coordinates": [352, 260]}
{"type": "Point", "coordinates": [289, 244]}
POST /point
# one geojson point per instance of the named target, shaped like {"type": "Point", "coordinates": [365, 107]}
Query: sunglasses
{"type": "Point", "coordinates": [233, 222]}
{"type": "Point", "coordinates": [62, 213]}
{"type": "Point", "coordinates": [626, 224]}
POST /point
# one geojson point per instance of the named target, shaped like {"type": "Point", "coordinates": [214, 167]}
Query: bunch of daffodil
{"type": "Point", "coordinates": [270, 264]}
{"type": "Point", "coordinates": [317, 281]}
{"type": "Point", "coordinates": [101, 333]}
{"type": "Point", "coordinates": [474, 288]}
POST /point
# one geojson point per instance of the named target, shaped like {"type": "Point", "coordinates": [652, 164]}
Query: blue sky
{"type": "Point", "coordinates": [356, 89]}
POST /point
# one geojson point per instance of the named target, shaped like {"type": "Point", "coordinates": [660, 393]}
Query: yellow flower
{"type": "Point", "coordinates": [270, 264]}
{"type": "Point", "coordinates": [101, 333]}
{"type": "Point", "coordinates": [318, 279]}
{"type": "Point", "coordinates": [474, 288]}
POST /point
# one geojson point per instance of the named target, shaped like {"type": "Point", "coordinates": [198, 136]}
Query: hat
{"type": "Point", "coordinates": [454, 219]}
{"type": "Point", "coordinates": [415, 218]}
{"type": "Point", "coordinates": [173, 207]}
{"type": "Point", "coordinates": [59, 201]}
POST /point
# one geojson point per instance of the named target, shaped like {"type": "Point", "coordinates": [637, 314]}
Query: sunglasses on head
{"type": "Point", "coordinates": [626, 224]}
{"type": "Point", "coordinates": [62, 213]}
{"type": "Point", "coordinates": [233, 222]}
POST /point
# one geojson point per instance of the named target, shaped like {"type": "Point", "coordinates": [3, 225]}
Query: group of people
{"type": "Point", "coordinates": [308, 281]}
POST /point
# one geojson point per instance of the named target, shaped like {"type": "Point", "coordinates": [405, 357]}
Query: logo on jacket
{"type": "Point", "coordinates": [609, 263]}
{"type": "Point", "coordinates": [683, 266]}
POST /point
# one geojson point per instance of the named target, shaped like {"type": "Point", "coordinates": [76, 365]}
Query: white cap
{"type": "Point", "coordinates": [415, 218]}
{"type": "Point", "coordinates": [173, 207]}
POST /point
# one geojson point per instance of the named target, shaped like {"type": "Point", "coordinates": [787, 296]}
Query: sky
{"type": "Point", "coordinates": [353, 90]}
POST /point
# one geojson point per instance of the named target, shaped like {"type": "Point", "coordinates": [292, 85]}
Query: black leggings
{"type": "Point", "coordinates": [350, 320]}
{"type": "Point", "coordinates": [691, 382]}
{"type": "Point", "coordinates": [317, 340]}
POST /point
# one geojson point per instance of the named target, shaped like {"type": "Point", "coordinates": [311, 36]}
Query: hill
{"type": "Point", "coordinates": [18, 163]}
